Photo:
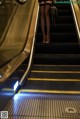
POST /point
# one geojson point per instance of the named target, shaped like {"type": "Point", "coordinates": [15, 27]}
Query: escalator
{"type": "Point", "coordinates": [55, 70]}
{"type": "Point", "coordinates": [56, 66]}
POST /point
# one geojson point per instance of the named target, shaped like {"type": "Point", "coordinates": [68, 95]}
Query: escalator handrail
{"type": "Point", "coordinates": [23, 79]}
{"type": "Point", "coordinates": [76, 19]}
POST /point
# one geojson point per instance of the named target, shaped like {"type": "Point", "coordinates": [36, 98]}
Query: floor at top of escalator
{"type": "Point", "coordinates": [40, 106]}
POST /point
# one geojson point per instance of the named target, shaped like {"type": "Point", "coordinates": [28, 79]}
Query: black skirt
{"type": "Point", "coordinates": [40, 1]}
{"type": "Point", "coordinates": [43, 0]}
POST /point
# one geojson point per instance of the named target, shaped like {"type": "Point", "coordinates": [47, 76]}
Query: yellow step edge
{"type": "Point", "coordinates": [49, 79]}
{"type": "Point", "coordinates": [40, 71]}
{"type": "Point", "coordinates": [7, 89]}
{"type": "Point", "coordinates": [44, 91]}
{"type": "Point", "coordinates": [55, 65]}
{"type": "Point", "coordinates": [48, 91]}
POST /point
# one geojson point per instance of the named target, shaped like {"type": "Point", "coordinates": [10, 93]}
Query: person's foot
{"type": "Point", "coordinates": [44, 39]}
{"type": "Point", "coordinates": [48, 39]}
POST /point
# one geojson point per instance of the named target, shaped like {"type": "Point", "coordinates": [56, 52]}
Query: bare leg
{"type": "Point", "coordinates": [47, 7]}
{"type": "Point", "coordinates": [42, 10]}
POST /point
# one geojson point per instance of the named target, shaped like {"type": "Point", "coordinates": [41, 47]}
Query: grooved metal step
{"type": "Point", "coordinates": [60, 28]}
{"type": "Point", "coordinates": [66, 12]}
{"type": "Point", "coordinates": [56, 67]}
{"type": "Point", "coordinates": [43, 107]}
{"type": "Point", "coordinates": [55, 75]}
{"type": "Point", "coordinates": [57, 48]}
{"type": "Point", "coordinates": [52, 86]}
{"type": "Point", "coordinates": [63, 6]}
{"type": "Point", "coordinates": [63, 20]}
{"type": "Point", "coordinates": [67, 59]}
{"type": "Point", "coordinates": [59, 37]}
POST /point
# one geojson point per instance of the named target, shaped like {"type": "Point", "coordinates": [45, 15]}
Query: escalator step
{"type": "Point", "coordinates": [61, 12]}
{"type": "Point", "coordinates": [59, 37]}
{"type": "Point", "coordinates": [73, 59]}
{"type": "Point", "coordinates": [50, 85]}
{"type": "Point", "coordinates": [54, 75]}
{"type": "Point", "coordinates": [62, 19]}
{"type": "Point", "coordinates": [56, 67]}
{"type": "Point", "coordinates": [56, 48]}
{"type": "Point", "coordinates": [58, 28]}
{"type": "Point", "coordinates": [64, 12]}
{"type": "Point", "coordinates": [63, 6]}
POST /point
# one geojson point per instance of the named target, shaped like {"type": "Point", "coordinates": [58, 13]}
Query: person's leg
{"type": "Point", "coordinates": [42, 10]}
{"type": "Point", "coordinates": [47, 8]}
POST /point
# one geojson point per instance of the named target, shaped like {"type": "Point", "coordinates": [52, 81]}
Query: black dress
{"type": "Point", "coordinates": [43, 1]}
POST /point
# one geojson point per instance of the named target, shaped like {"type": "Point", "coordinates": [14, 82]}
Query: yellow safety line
{"type": "Point", "coordinates": [7, 89]}
{"type": "Point", "coordinates": [49, 79]}
{"type": "Point", "coordinates": [40, 71]}
{"type": "Point", "coordinates": [49, 91]}
{"type": "Point", "coordinates": [55, 65]}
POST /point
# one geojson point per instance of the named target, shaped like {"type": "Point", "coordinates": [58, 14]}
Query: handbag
{"type": "Point", "coordinates": [54, 9]}
{"type": "Point", "coordinates": [54, 12]}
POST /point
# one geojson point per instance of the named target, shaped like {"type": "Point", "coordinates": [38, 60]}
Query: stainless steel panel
{"type": "Point", "coordinates": [29, 106]}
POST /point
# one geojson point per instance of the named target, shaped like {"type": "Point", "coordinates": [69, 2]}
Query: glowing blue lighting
{"type": "Point", "coordinates": [6, 94]}
{"type": "Point", "coordinates": [16, 85]}
{"type": "Point", "coordinates": [16, 96]}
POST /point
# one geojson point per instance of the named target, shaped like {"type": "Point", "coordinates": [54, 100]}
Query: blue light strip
{"type": "Point", "coordinates": [16, 85]}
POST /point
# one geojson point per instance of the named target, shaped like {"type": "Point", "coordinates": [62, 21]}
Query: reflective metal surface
{"type": "Point", "coordinates": [17, 33]}
{"type": "Point", "coordinates": [7, 10]}
{"type": "Point", "coordinates": [17, 39]}
{"type": "Point", "coordinates": [76, 12]}
{"type": "Point", "coordinates": [35, 106]}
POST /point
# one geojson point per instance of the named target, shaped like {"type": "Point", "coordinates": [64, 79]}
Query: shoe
{"type": "Point", "coordinates": [44, 39]}
{"type": "Point", "coordinates": [48, 40]}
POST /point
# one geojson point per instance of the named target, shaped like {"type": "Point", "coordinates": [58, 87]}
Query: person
{"type": "Point", "coordinates": [45, 19]}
